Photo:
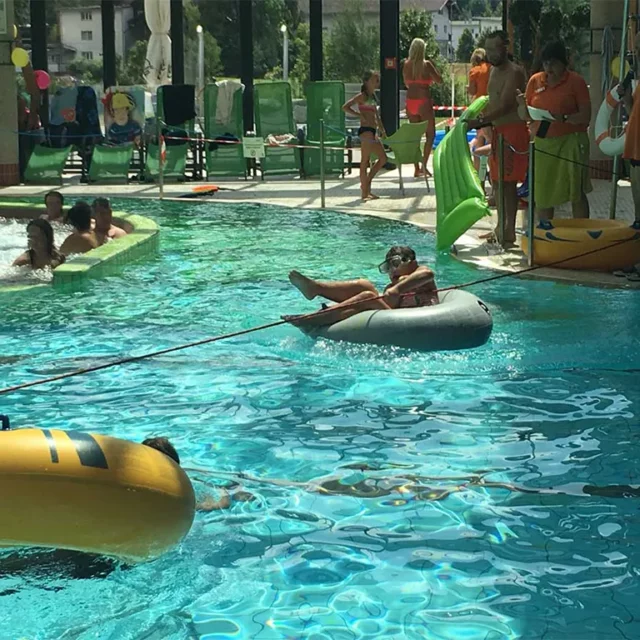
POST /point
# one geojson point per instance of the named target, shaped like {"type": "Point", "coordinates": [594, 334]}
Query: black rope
{"type": "Point", "coordinates": [278, 323]}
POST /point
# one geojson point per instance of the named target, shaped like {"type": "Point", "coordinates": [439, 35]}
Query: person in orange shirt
{"type": "Point", "coordinates": [632, 136]}
{"type": "Point", "coordinates": [479, 75]}
{"type": "Point", "coordinates": [562, 144]}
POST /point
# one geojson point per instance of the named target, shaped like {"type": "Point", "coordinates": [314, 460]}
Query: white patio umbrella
{"type": "Point", "coordinates": [158, 62]}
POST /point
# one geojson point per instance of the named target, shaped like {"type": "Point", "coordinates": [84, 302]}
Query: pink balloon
{"type": "Point", "coordinates": [43, 80]}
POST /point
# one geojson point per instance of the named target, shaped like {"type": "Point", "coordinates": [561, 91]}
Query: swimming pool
{"type": "Point", "coordinates": [469, 495]}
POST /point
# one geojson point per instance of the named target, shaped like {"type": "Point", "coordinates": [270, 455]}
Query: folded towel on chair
{"type": "Point", "coordinates": [178, 103]}
{"type": "Point", "coordinates": [224, 104]}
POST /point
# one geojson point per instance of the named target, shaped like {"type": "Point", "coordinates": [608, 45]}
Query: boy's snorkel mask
{"type": "Point", "coordinates": [392, 263]}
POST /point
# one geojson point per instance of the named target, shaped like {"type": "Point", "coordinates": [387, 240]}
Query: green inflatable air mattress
{"type": "Point", "coordinates": [460, 197]}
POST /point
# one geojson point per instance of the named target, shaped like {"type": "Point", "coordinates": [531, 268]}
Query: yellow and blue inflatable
{"type": "Point", "coordinates": [611, 244]}
{"type": "Point", "coordinates": [92, 493]}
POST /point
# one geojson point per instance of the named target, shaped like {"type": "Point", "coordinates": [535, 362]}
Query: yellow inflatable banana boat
{"type": "Point", "coordinates": [617, 244]}
{"type": "Point", "coordinates": [92, 493]}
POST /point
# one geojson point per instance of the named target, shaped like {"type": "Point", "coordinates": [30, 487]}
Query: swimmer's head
{"type": "Point", "coordinates": [399, 261]}
{"type": "Point", "coordinates": [164, 446]}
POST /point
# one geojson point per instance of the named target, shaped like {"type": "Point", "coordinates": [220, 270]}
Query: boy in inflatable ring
{"type": "Point", "coordinates": [411, 286]}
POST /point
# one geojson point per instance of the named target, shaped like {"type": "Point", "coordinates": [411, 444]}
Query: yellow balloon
{"type": "Point", "coordinates": [15, 32]}
{"type": "Point", "coordinates": [20, 57]}
{"type": "Point", "coordinates": [615, 67]}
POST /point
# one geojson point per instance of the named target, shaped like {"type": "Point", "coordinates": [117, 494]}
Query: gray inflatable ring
{"type": "Point", "coordinates": [460, 321]}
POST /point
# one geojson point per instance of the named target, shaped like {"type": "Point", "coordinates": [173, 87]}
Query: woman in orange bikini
{"type": "Point", "coordinates": [418, 74]}
{"type": "Point", "coordinates": [370, 124]}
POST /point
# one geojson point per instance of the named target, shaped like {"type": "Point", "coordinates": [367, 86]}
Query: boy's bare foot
{"type": "Point", "coordinates": [305, 285]}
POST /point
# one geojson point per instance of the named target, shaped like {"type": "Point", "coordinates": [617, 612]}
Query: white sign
{"type": "Point", "coordinates": [252, 147]}
{"type": "Point", "coordinates": [4, 27]}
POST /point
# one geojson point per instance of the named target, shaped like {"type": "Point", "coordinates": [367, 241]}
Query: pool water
{"type": "Point", "coordinates": [482, 495]}
{"type": "Point", "coordinates": [13, 243]}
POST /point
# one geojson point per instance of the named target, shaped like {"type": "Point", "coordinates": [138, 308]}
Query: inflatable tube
{"type": "Point", "coordinates": [609, 145]}
{"type": "Point", "coordinates": [92, 493]}
{"type": "Point", "coordinates": [460, 197]}
{"type": "Point", "coordinates": [561, 239]}
{"type": "Point", "coordinates": [460, 321]}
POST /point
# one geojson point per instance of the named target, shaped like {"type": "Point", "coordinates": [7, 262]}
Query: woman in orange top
{"type": "Point", "coordinates": [479, 74]}
{"type": "Point", "coordinates": [562, 144]}
{"type": "Point", "coordinates": [632, 136]}
{"type": "Point", "coordinates": [418, 74]}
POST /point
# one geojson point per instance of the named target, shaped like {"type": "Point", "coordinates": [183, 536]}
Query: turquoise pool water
{"type": "Point", "coordinates": [461, 496]}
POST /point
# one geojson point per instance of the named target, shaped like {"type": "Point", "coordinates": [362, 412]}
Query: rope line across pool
{"type": "Point", "coordinates": [277, 323]}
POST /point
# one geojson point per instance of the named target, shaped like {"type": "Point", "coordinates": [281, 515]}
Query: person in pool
{"type": "Point", "coordinates": [412, 285]}
{"type": "Point", "coordinates": [54, 202]}
{"type": "Point", "coordinates": [370, 123]}
{"type": "Point", "coordinates": [104, 228]}
{"type": "Point", "coordinates": [41, 250]}
{"type": "Point", "coordinates": [163, 445]}
{"type": "Point", "coordinates": [82, 238]}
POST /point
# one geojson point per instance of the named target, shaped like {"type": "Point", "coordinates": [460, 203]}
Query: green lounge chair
{"type": "Point", "coordinates": [175, 163]}
{"type": "Point", "coordinates": [324, 102]}
{"type": "Point", "coordinates": [223, 159]}
{"type": "Point", "coordinates": [111, 164]}
{"type": "Point", "coordinates": [405, 145]}
{"type": "Point", "coordinates": [274, 115]}
{"type": "Point", "coordinates": [176, 157]}
{"type": "Point", "coordinates": [46, 165]}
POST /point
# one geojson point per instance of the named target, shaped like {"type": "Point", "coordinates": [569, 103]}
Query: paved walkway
{"type": "Point", "coordinates": [416, 206]}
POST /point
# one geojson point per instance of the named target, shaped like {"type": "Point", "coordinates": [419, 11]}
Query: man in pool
{"type": "Point", "coordinates": [82, 238]}
{"type": "Point", "coordinates": [104, 228]}
{"type": "Point", "coordinates": [54, 202]}
{"type": "Point", "coordinates": [412, 285]}
{"type": "Point", "coordinates": [208, 504]}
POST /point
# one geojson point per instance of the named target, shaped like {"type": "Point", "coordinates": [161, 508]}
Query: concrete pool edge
{"type": "Point", "coordinates": [142, 240]}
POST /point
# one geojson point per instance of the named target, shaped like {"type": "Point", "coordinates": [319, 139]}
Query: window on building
{"type": "Point", "coordinates": [87, 35]}
{"type": "Point", "coordinates": [86, 15]}
{"type": "Point", "coordinates": [435, 28]}
{"type": "Point", "coordinates": [87, 55]}
{"type": "Point", "coordinates": [445, 28]}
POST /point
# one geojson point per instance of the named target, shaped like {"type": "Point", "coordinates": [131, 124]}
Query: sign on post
{"type": "Point", "coordinates": [253, 147]}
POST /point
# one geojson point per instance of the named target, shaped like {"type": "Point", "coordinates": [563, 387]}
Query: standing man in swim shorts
{"type": "Point", "coordinates": [506, 81]}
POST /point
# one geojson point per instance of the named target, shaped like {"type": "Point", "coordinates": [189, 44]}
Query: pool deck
{"type": "Point", "coordinates": [416, 206]}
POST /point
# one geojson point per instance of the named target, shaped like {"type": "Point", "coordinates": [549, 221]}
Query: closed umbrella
{"type": "Point", "coordinates": [158, 62]}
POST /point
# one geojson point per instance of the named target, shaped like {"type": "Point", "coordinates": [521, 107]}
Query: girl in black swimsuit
{"type": "Point", "coordinates": [367, 111]}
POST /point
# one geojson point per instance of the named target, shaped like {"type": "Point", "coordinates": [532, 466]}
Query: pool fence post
{"type": "Point", "coordinates": [532, 207]}
{"type": "Point", "coordinates": [322, 186]}
{"type": "Point", "coordinates": [618, 115]}
{"type": "Point", "coordinates": [500, 199]}
{"type": "Point", "coordinates": [161, 144]}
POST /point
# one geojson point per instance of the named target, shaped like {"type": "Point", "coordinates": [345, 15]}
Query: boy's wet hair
{"type": "Point", "coordinates": [164, 446]}
{"type": "Point", "coordinates": [406, 253]}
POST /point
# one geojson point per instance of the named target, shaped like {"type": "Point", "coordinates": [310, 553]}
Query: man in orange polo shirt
{"type": "Point", "coordinates": [632, 136]}
{"type": "Point", "coordinates": [562, 144]}
{"type": "Point", "coordinates": [507, 79]}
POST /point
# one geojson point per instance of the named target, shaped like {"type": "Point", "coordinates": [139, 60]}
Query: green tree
{"type": "Point", "coordinates": [482, 37]}
{"type": "Point", "coordinates": [132, 69]}
{"type": "Point", "coordinates": [466, 45]}
{"type": "Point", "coordinates": [221, 19]}
{"type": "Point", "coordinates": [87, 71]}
{"type": "Point", "coordinates": [479, 8]}
{"type": "Point", "coordinates": [419, 24]}
{"type": "Point", "coordinates": [212, 62]}
{"type": "Point", "coordinates": [353, 47]}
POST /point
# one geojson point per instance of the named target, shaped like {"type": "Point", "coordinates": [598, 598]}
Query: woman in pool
{"type": "Point", "coordinates": [41, 252]}
{"type": "Point", "coordinates": [367, 111]}
{"type": "Point", "coordinates": [418, 74]}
